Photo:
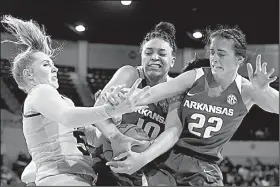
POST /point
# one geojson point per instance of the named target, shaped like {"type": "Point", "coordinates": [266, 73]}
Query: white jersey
{"type": "Point", "coordinates": [53, 146]}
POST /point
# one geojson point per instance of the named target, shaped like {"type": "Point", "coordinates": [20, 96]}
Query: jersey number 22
{"type": "Point", "coordinates": [201, 122]}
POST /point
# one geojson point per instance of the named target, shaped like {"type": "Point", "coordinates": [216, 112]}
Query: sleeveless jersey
{"type": "Point", "coordinates": [209, 121]}
{"type": "Point", "coordinates": [152, 119]}
{"type": "Point", "coordinates": [55, 148]}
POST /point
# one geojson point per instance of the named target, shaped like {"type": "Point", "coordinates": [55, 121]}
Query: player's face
{"type": "Point", "coordinates": [222, 56]}
{"type": "Point", "coordinates": [44, 71]}
{"type": "Point", "coordinates": [157, 58]}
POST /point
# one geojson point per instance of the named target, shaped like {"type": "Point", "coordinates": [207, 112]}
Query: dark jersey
{"type": "Point", "coordinates": [152, 119]}
{"type": "Point", "coordinates": [209, 120]}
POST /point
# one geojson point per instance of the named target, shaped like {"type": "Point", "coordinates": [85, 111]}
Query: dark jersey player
{"type": "Point", "coordinates": [152, 121]}
{"type": "Point", "coordinates": [158, 51]}
{"type": "Point", "coordinates": [216, 101]}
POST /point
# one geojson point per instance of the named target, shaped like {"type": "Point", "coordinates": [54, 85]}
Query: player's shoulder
{"type": "Point", "coordinates": [129, 70]}
{"type": "Point", "coordinates": [42, 92]}
{"type": "Point", "coordinates": [43, 89]}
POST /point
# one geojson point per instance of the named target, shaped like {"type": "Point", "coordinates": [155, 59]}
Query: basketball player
{"type": "Point", "coordinates": [92, 137]}
{"type": "Point", "coordinates": [158, 53]}
{"type": "Point", "coordinates": [49, 119]}
{"type": "Point", "coordinates": [216, 101]}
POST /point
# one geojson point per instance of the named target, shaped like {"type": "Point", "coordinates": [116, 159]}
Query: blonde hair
{"type": "Point", "coordinates": [33, 37]}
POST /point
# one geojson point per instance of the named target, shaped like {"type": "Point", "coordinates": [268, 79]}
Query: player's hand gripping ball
{"type": "Point", "coordinates": [129, 130]}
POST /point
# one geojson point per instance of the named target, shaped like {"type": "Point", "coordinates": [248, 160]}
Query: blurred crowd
{"type": "Point", "coordinates": [11, 175]}
{"type": "Point", "coordinates": [253, 173]}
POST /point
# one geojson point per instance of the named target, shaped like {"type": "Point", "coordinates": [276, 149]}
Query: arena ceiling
{"type": "Point", "coordinates": [111, 22]}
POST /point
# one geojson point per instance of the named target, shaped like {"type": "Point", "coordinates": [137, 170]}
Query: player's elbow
{"type": "Point", "coordinates": [177, 130]}
{"type": "Point", "coordinates": [174, 134]}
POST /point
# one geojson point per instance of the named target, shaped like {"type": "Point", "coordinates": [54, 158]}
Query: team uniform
{"type": "Point", "coordinates": [59, 153]}
{"type": "Point", "coordinates": [209, 122]}
{"type": "Point", "coordinates": [152, 121]}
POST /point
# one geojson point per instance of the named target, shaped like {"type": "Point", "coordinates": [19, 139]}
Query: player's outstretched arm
{"type": "Point", "coordinates": [170, 88]}
{"type": "Point", "coordinates": [258, 88]}
{"type": "Point", "coordinates": [126, 75]}
{"type": "Point", "coordinates": [46, 100]}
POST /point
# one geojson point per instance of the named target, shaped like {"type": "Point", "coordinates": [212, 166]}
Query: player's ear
{"type": "Point", "coordinates": [173, 61]}
{"type": "Point", "coordinates": [240, 60]}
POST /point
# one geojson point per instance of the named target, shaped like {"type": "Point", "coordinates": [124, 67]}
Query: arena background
{"type": "Point", "coordinates": [113, 33]}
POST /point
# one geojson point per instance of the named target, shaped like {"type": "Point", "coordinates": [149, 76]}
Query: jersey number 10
{"type": "Point", "coordinates": [152, 129]}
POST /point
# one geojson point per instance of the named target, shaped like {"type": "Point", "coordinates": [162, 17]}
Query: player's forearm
{"type": "Point", "coordinates": [267, 99]}
{"type": "Point", "coordinates": [161, 144]}
{"type": "Point", "coordinates": [84, 116]}
{"type": "Point", "coordinates": [170, 88]}
{"type": "Point", "coordinates": [106, 127]}
{"type": "Point", "coordinates": [158, 92]}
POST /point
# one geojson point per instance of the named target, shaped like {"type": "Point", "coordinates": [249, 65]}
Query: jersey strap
{"type": "Point", "coordinates": [199, 73]}
{"type": "Point", "coordinates": [141, 75]}
{"type": "Point", "coordinates": [140, 72]}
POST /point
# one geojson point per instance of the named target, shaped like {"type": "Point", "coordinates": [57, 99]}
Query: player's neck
{"type": "Point", "coordinates": [29, 88]}
{"type": "Point", "coordinates": [225, 81]}
{"type": "Point", "coordinates": [151, 81]}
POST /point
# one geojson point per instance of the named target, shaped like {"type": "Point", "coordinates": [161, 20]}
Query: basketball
{"type": "Point", "coordinates": [132, 131]}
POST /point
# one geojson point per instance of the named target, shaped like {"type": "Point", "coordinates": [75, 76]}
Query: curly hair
{"type": "Point", "coordinates": [165, 31]}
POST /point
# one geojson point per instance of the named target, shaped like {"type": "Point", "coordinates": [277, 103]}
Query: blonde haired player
{"type": "Point", "coordinates": [49, 118]}
{"type": "Point", "coordinates": [92, 135]}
